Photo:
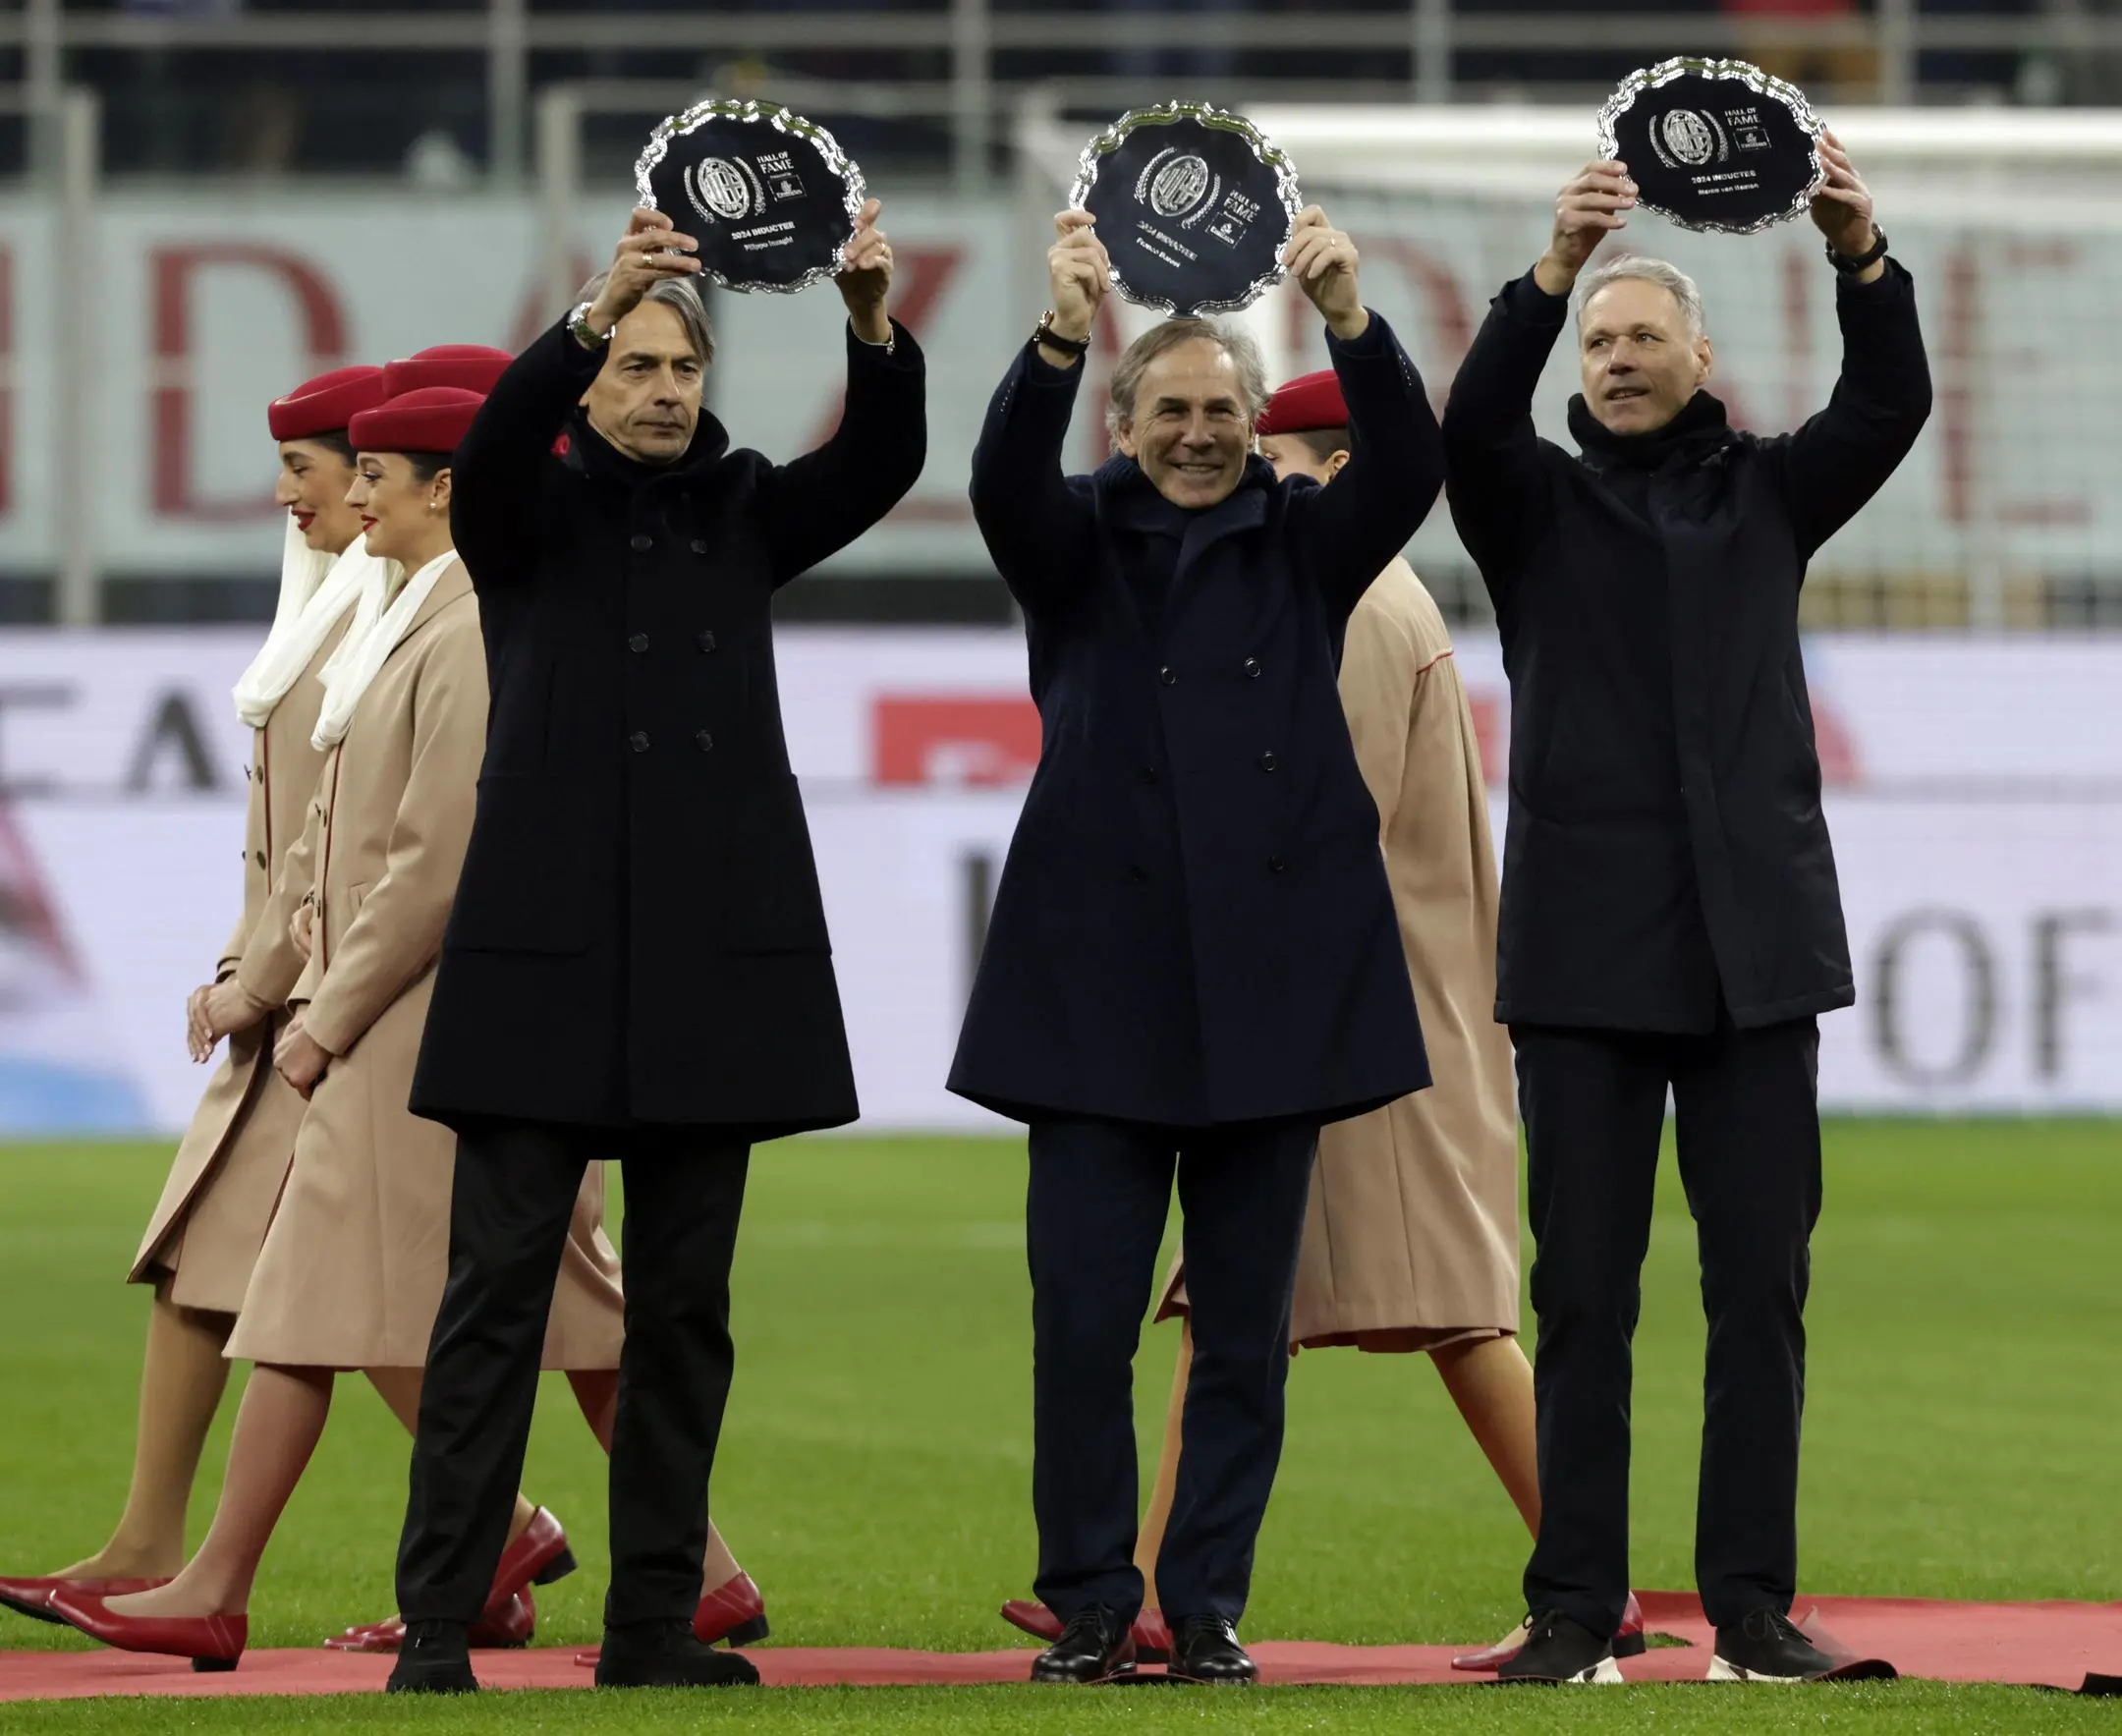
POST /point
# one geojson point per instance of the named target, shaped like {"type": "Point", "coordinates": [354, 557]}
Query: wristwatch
{"type": "Point", "coordinates": [583, 332]}
{"type": "Point", "coordinates": [1856, 265]}
{"type": "Point", "coordinates": [1045, 334]}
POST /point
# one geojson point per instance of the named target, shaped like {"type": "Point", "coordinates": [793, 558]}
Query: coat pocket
{"type": "Point", "coordinates": [772, 879]}
{"type": "Point", "coordinates": [522, 889]}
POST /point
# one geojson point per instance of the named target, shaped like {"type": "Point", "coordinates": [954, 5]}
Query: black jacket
{"type": "Point", "coordinates": [1194, 925]}
{"type": "Point", "coordinates": [1666, 844]}
{"type": "Point", "coordinates": [638, 935]}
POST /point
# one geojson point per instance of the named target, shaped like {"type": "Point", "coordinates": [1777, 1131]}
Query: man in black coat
{"type": "Point", "coordinates": [1671, 914]}
{"type": "Point", "coordinates": [637, 965]}
{"type": "Point", "coordinates": [1192, 958]}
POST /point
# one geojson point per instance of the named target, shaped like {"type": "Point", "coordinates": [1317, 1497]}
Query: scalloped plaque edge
{"type": "Point", "coordinates": [1739, 72]}
{"type": "Point", "coordinates": [1109, 139]}
{"type": "Point", "coordinates": [838, 163]}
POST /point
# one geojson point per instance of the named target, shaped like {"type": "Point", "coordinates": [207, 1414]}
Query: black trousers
{"type": "Point", "coordinates": [1099, 1194]}
{"type": "Point", "coordinates": [514, 1195]}
{"type": "Point", "coordinates": [1747, 1121]}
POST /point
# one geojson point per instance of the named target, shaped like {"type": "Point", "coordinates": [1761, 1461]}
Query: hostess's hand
{"type": "Point", "coordinates": [220, 1010]}
{"type": "Point", "coordinates": [643, 257]}
{"type": "Point", "coordinates": [1586, 212]}
{"type": "Point", "coordinates": [300, 928]}
{"type": "Point", "coordinates": [1324, 262]}
{"type": "Point", "coordinates": [300, 1058]}
{"type": "Point", "coordinates": [864, 278]}
{"type": "Point", "coordinates": [1842, 208]}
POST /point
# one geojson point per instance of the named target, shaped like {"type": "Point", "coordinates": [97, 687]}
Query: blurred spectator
{"type": "Point", "coordinates": [1848, 72]}
{"type": "Point", "coordinates": [1206, 54]}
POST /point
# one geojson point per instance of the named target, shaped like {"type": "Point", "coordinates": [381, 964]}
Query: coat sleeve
{"type": "Point", "coordinates": [270, 964]}
{"type": "Point", "coordinates": [1039, 531]}
{"type": "Point", "coordinates": [1347, 533]}
{"type": "Point", "coordinates": [1493, 475]}
{"type": "Point", "coordinates": [1380, 668]}
{"type": "Point", "coordinates": [496, 473]}
{"type": "Point", "coordinates": [232, 953]}
{"type": "Point", "coordinates": [822, 501]}
{"type": "Point", "coordinates": [1842, 457]}
{"type": "Point", "coordinates": [398, 930]}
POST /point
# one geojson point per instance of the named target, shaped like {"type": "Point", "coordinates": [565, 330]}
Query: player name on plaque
{"type": "Point", "coordinates": [1194, 204]}
{"type": "Point", "coordinates": [770, 196]}
{"type": "Point", "coordinates": [1714, 145]}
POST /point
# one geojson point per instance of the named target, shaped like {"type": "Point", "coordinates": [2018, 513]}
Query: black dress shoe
{"type": "Point", "coordinates": [1766, 1646]}
{"type": "Point", "coordinates": [1095, 1645]}
{"type": "Point", "coordinates": [1206, 1649]}
{"type": "Point", "coordinates": [432, 1659]}
{"type": "Point", "coordinates": [666, 1654]}
{"type": "Point", "coordinates": [1559, 1649]}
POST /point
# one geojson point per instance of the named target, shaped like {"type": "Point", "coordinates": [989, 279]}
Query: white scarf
{"type": "Point", "coordinates": [368, 643]}
{"type": "Point", "coordinates": [314, 591]}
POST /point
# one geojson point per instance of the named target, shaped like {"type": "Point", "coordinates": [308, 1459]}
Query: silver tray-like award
{"type": "Point", "coordinates": [1194, 203]}
{"type": "Point", "coordinates": [1714, 145]}
{"type": "Point", "coordinates": [770, 196]}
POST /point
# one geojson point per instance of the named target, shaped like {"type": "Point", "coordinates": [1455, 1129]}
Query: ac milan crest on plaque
{"type": "Point", "coordinates": [1714, 145]}
{"type": "Point", "coordinates": [1194, 204]}
{"type": "Point", "coordinates": [770, 196]}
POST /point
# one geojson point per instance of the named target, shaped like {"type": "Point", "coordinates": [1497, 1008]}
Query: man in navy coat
{"type": "Point", "coordinates": [1192, 962]}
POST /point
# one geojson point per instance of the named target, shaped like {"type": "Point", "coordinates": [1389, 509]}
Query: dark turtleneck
{"type": "Point", "coordinates": [1626, 463]}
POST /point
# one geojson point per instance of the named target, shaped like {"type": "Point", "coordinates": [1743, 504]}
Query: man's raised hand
{"type": "Point", "coordinates": [865, 276]}
{"type": "Point", "coordinates": [1586, 212]}
{"type": "Point", "coordinates": [1842, 208]}
{"type": "Point", "coordinates": [650, 251]}
{"type": "Point", "coordinates": [1324, 262]}
{"type": "Point", "coordinates": [1079, 271]}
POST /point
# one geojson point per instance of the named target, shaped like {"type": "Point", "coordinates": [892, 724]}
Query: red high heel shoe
{"type": "Point", "coordinates": [505, 1629]}
{"type": "Point", "coordinates": [1628, 1642]}
{"type": "Point", "coordinates": [1152, 1638]}
{"type": "Point", "coordinates": [210, 1641]}
{"type": "Point", "coordinates": [33, 1596]}
{"type": "Point", "coordinates": [540, 1556]}
{"type": "Point", "coordinates": [734, 1611]}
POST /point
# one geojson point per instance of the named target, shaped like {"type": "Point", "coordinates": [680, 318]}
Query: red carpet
{"type": "Point", "coordinates": [2071, 1646]}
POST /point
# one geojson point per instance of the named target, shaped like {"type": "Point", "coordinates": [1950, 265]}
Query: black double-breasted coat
{"type": "Point", "coordinates": [638, 936]}
{"type": "Point", "coordinates": [1194, 925]}
{"type": "Point", "coordinates": [1666, 847]}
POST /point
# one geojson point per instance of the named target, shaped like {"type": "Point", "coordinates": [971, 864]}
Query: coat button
{"type": "Point", "coordinates": [1267, 762]}
{"type": "Point", "coordinates": [704, 741]}
{"type": "Point", "coordinates": [641, 542]}
{"type": "Point", "coordinates": [638, 741]}
{"type": "Point", "coordinates": [1252, 667]}
{"type": "Point", "coordinates": [260, 858]}
{"type": "Point", "coordinates": [699, 545]}
{"type": "Point", "coordinates": [706, 641]}
{"type": "Point", "coordinates": [1168, 676]}
{"type": "Point", "coordinates": [638, 642]}
{"type": "Point", "coordinates": [1147, 774]}
{"type": "Point", "coordinates": [1275, 865]}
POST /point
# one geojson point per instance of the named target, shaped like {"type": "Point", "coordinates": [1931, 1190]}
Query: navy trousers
{"type": "Point", "coordinates": [1098, 1197]}
{"type": "Point", "coordinates": [1745, 1105]}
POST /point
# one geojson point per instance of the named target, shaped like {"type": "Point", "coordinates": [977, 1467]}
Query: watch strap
{"type": "Point", "coordinates": [1851, 264]}
{"type": "Point", "coordinates": [1045, 334]}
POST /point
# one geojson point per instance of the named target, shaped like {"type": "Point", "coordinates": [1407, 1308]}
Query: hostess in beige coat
{"type": "Point", "coordinates": [1411, 1235]}
{"type": "Point", "coordinates": [204, 1235]}
{"type": "Point", "coordinates": [353, 1268]}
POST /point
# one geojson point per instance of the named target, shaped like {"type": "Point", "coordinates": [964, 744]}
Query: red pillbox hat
{"type": "Point", "coordinates": [1311, 401]}
{"type": "Point", "coordinates": [469, 367]}
{"type": "Point", "coordinates": [433, 419]}
{"type": "Point", "coordinates": [327, 403]}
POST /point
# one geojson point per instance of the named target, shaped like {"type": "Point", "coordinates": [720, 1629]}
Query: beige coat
{"type": "Point", "coordinates": [1411, 1237]}
{"type": "Point", "coordinates": [353, 1268]}
{"type": "Point", "coordinates": [205, 1233]}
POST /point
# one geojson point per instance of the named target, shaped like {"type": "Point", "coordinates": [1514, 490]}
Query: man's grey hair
{"type": "Point", "coordinates": [682, 296]}
{"type": "Point", "coordinates": [1235, 342]}
{"type": "Point", "coordinates": [1669, 278]}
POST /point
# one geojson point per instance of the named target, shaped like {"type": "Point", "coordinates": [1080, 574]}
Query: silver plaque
{"type": "Point", "coordinates": [1715, 145]}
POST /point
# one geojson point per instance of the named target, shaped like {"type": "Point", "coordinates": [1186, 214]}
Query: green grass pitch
{"type": "Point", "coordinates": [1964, 1427]}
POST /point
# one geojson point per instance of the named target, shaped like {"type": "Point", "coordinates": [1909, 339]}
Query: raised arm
{"type": "Point", "coordinates": [398, 930]}
{"type": "Point", "coordinates": [1842, 457]}
{"type": "Point", "coordinates": [1038, 530]}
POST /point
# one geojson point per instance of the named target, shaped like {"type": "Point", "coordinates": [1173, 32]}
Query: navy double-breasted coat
{"type": "Point", "coordinates": [1194, 925]}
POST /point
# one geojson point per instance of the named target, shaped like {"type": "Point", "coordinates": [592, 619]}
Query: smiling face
{"type": "Point", "coordinates": [1189, 430]}
{"type": "Point", "coordinates": [312, 487]}
{"type": "Point", "coordinates": [645, 400]}
{"type": "Point", "coordinates": [1640, 365]}
{"type": "Point", "coordinates": [404, 517]}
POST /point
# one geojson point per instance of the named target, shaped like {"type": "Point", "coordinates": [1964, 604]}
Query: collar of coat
{"type": "Point", "coordinates": [588, 454]}
{"type": "Point", "coordinates": [1700, 428]}
{"type": "Point", "coordinates": [1128, 500]}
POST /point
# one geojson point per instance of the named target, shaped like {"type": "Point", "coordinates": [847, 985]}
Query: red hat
{"type": "Point", "coordinates": [471, 367]}
{"type": "Point", "coordinates": [327, 403]}
{"type": "Point", "coordinates": [432, 420]}
{"type": "Point", "coordinates": [1311, 401]}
